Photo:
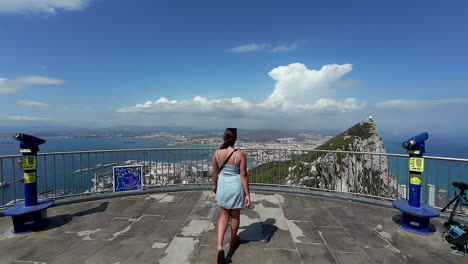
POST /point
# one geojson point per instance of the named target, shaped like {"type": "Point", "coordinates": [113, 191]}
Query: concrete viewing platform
{"type": "Point", "coordinates": [180, 227]}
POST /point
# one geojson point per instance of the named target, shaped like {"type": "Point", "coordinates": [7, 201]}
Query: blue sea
{"type": "Point", "coordinates": [440, 173]}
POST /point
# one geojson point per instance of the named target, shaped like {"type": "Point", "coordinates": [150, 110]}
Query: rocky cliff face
{"type": "Point", "coordinates": [348, 172]}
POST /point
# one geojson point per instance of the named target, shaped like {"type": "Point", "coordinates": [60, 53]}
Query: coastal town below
{"type": "Point", "coordinates": [271, 139]}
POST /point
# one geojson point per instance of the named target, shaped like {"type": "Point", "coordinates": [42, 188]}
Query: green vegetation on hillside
{"type": "Point", "coordinates": [277, 171]}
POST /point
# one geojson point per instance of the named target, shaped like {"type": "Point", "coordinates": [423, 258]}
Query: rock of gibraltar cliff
{"type": "Point", "coordinates": [365, 172]}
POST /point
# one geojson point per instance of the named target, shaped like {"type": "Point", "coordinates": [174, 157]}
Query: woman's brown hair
{"type": "Point", "coordinates": [230, 137]}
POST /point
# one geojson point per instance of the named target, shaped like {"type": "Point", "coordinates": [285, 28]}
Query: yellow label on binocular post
{"type": "Point", "coordinates": [28, 162]}
{"type": "Point", "coordinates": [25, 151]}
{"type": "Point", "coordinates": [415, 179]}
{"type": "Point", "coordinates": [416, 164]}
{"type": "Point", "coordinates": [29, 177]}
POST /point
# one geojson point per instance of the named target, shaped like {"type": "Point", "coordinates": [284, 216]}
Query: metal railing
{"type": "Point", "coordinates": [375, 175]}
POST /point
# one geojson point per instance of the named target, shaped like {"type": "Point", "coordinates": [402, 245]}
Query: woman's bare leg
{"type": "Point", "coordinates": [235, 221]}
{"type": "Point", "coordinates": [222, 226]}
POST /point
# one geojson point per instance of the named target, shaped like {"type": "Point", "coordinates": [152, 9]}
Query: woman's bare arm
{"type": "Point", "coordinates": [243, 173]}
{"type": "Point", "coordinates": [214, 164]}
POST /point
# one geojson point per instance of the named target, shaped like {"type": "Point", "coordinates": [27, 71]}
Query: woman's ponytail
{"type": "Point", "coordinates": [230, 137]}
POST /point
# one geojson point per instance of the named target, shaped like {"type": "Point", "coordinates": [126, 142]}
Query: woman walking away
{"type": "Point", "coordinates": [231, 186]}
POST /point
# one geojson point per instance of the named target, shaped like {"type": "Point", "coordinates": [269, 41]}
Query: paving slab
{"type": "Point", "coordinates": [18, 248]}
{"type": "Point", "coordinates": [51, 249]}
{"type": "Point", "coordinates": [112, 229]}
{"type": "Point", "coordinates": [80, 252]}
{"type": "Point", "coordinates": [364, 236]}
{"type": "Point", "coordinates": [289, 200]}
{"type": "Point", "coordinates": [164, 197]}
{"type": "Point", "coordinates": [281, 256]}
{"type": "Point", "coordinates": [321, 217]}
{"type": "Point", "coordinates": [126, 250]}
{"type": "Point", "coordinates": [80, 223]}
{"type": "Point", "coordinates": [180, 250]}
{"type": "Point", "coordinates": [353, 258]}
{"type": "Point", "coordinates": [118, 206]}
{"type": "Point", "coordinates": [309, 202]}
{"type": "Point", "coordinates": [203, 211]}
{"type": "Point", "coordinates": [295, 213]}
{"type": "Point", "coordinates": [275, 237]}
{"type": "Point", "coordinates": [144, 225]}
{"type": "Point", "coordinates": [371, 218]}
{"type": "Point", "coordinates": [344, 215]}
{"type": "Point", "coordinates": [384, 255]}
{"type": "Point", "coordinates": [249, 253]}
{"type": "Point", "coordinates": [205, 255]}
{"type": "Point", "coordinates": [338, 240]}
{"type": "Point", "coordinates": [315, 253]}
{"type": "Point", "coordinates": [164, 232]}
{"type": "Point", "coordinates": [137, 209]}
{"type": "Point", "coordinates": [179, 212]}
{"type": "Point", "coordinates": [304, 232]}
{"type": "Point", "coordinates": [196, 228]}
{"type": "Point", "coordinates": [190, 198]}
{"type": "Point", "coordinates": [160, 208]}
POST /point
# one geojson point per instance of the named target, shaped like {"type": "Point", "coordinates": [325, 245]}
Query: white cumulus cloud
{"type": "Point", "coordinates": [297, 90]}
{"type": "Point", "coordinates": [295, 84]}
{"type": "Point", "coordinates": [41, 6]}
{"type": "Point", "coordinates": [32, 103]}
{"type": "Point", "coordinates": [198, 105]}
{"type": "Point", "coordinates": [14, 85]}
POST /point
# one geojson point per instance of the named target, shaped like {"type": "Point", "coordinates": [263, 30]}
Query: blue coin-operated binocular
{"type": "Point", "coordinates": [416, 215]}
{"type": "Point", "coordinates": [32, 214]}
{"type": "Point", "coordinates": [416, 144]}
{"type": "Point", "coordinates": [29, 142]}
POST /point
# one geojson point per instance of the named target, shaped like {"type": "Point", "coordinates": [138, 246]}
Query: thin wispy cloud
{"type": "Point", "coordinates": [32, 103]}
{"type": "Point", "coordinates": [41, 6]}
{"type": "Point", "coordinates": [415, 104]}
{"type": "Point", "coordinates": [285, 48]}
{"type": "Point", "coordinates": [82, 108]}
{"type": "Point", "coordinates": [298, 90]}
{"type": "Point", "coordinates": [8, 86]}
{"type": "Point", "coordinates": [257, 47]}
{"type": "Point", "coordinates": [26, 118]}
{"type": "Point", "coordinates": [247, 48]}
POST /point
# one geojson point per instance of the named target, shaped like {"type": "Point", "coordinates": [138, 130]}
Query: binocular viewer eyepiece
{"type": "Point", "coordinates": [419, 139]}
{"type": "Point", "coordinates": [29, 139]}
{"type": "Point", "coordinates": [460, 185]}
{"type": "Point", "coordinates": [29, 142]}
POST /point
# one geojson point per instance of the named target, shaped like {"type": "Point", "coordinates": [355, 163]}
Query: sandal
{"type": "Point", "coordinates": [220, 259]}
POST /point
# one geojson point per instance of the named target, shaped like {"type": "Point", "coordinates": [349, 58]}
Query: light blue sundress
{"type": "Point", "coordinates": [230, 193]}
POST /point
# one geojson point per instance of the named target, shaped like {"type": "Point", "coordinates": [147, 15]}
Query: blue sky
{"type": "Point", "coordinates": [247, 64]}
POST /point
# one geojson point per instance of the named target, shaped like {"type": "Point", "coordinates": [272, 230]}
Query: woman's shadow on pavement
{"type": "Point", "coordinates": [61, 220]}
{"type": "Point", "coordinates": [260, 231]}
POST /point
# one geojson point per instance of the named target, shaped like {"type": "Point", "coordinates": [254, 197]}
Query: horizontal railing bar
{"type": "Point", "coordinates": [246, 149]}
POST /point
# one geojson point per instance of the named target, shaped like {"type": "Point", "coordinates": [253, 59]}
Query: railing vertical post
{"type": "Point", "coordinates": [63, 170]}
{"type": "Point", "coordinates": [431, 195]}
{"type": "Point", "coordinates": [45, 177]}
{"type": "Point", "coordinates": [72, 174]}
{"type": "Point", "coordinates": [2, 180]}
{"type": "Point", "coordinates": [13, 168]}
{"type": "Point", "coordinates": [55, 176]}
